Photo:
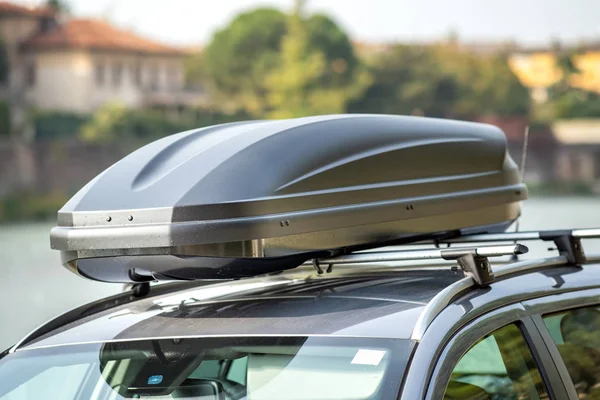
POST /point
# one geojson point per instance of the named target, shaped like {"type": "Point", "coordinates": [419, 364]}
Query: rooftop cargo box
{"type": "Point", "coordinates": [248, 198]}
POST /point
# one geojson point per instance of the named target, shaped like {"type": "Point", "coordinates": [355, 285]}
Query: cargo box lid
{"type": "Point", "coordinates": [252, 197]}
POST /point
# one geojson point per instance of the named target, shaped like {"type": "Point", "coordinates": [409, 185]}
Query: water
{"type": "Point", "coordinates": [34, 287]}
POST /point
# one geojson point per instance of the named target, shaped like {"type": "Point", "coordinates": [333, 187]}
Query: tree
{"type": "Point", "coordinates": [106, 124]}
{"type": "Point", "coordinates": [443, 81]}
{"type": "Point", "coordinates": [60, 6]}
{"type": "Point", "coordinates": [488, 85]}
{"type": "Point", "coordinates": [409, 80]}
{"type": "Point", "coordinates": [240, 55]}
{"type": "Point", "coordinates": [242, 59]}
{"type": "Point", "coordinates": [4, 63]}
{"type": "Point", "coordinates": [305, 81]}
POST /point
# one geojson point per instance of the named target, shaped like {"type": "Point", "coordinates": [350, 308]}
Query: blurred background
{"type": "Point", "coordinates": [82, 83]}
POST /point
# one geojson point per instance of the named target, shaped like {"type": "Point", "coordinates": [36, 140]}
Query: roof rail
{"type": "Point", "coordinates": [473, 260]}
{"type": "Point", "coordinates": [441, 300]}
{"type": "Point", "coordinates": [567, 241]}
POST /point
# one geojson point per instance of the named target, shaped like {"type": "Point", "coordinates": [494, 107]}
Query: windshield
{"type": "Point", "coordinates": [256, 368]}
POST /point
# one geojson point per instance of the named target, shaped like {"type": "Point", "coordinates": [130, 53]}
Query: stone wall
{"type": "Point", "coordinates": [54, 167]}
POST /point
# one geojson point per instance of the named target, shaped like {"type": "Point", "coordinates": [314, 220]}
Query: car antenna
{"type": "Point", "coordinates": [522, 173]}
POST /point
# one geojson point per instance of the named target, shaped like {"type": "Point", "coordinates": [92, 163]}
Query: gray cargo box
{"type": "Point", "coordinates": [248, 198]}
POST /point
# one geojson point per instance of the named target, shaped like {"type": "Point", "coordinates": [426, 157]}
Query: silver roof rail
{"type": "Point", "coordinates": [567, 241]}
{"type": "Point", "coordinates": [473, 260]}
{"type": "Point", "coordinates": [588, 233]}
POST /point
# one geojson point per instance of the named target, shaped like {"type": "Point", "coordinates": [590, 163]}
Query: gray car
{"type": "Point", "coordinates": [345, 257]}
{"type": "Point", "coordinates": [374, 332]}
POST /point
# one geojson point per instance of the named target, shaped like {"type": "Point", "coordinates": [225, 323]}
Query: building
{"type": "Point", "coordinates": [538, 69]}
{"type": "Point", "coordinates": [579, 156]}
{"type": "Point", "coordinates": [77, 65]}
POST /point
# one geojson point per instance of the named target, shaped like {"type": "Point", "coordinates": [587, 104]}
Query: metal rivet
{"type": "Point", "coordinates": [287, 223]}
{"type": "Point", "coordinates": [281, 223]}
{"type": "Point", "coordinates": [108, 219]}
{"type": "Point", "coordinates": [130, 218]}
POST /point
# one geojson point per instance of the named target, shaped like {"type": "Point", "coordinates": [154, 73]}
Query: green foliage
{"type": "Point", "coordinates": [561, 189]}
{"type": "Point", "coordinates": [566, 65]}
{"type": "Point", "coordinates": [305, 81]}
{"type": "Point", "coordinates": [196, 74]}
{"type": "Point", "coordinates": [576, 103]}
{"type": "Point", "coordinates": [409, 80]}
{"type": "Point", "coordinates": [106, 124]}
{"type": "Point", "coordinates": [4, 63]}
{"type": "Point", "coordinates": [53, 125]}
{"type": "Point", "coordinates": [566, 101]}
{"type": "Point", "coordinates": [488, 86]}
{"type": "Point", "coordinates": [60, 6]}
{"type": "Point", "coordinates": [4, 118]}
{"type": "Point", "coordinates": [115, 122]}
{"type": "Point", "coordinates": [30, 206]}
{"type": "Point", "coordinates": [311, 57]}
{"type": "Point", "coordinates": [443, 81]}
{"type": "Point", "coordinates": [240, 55]}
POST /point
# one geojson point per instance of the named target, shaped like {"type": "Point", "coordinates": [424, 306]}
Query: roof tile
{"type": "Point", "coordinates": [97, 35]}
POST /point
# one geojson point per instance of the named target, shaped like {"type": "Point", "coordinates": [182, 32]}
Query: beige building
{"type": "Point", "coordinates": [538, 70]}
{"type": "Point", "coordinates": [77, 65]}
{"type": "Point", "coordinates": [579, 155]}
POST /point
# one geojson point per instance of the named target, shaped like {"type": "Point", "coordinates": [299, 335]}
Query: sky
{"type": "Point", "coordinates": [529, 22]}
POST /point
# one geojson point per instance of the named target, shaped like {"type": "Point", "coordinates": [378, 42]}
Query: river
{"type": "Point", "coordinates": [34, 287]}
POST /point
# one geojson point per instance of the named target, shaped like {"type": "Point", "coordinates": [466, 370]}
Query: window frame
{"type": "Point", "coordinates": [557, 303]}
{"type": "Point", "coordinates": [31, 74]}
{"type": "Point", "coordinates": [468, 335]}
{"type": "Point", "coordinates": [117, 72]}
{"type": "Point", "coordinates": [99, 73]}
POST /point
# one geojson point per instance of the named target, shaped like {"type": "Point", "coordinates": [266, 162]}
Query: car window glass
{"type": "Point", "coordinates": [237, 370]}
{"type": "Point", "coordinates": [256, 368]}
{"type": "Point", "coordinates": [207, 369]}
{"type": "Point", "coordinates": [498, 367]}
{"type": "Point", "coordinates": [576, 333]}
{"type": "Point", "coordinates": [54, 380]}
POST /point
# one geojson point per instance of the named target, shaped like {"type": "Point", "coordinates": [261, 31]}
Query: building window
{"type": "Point", "coordinates": [117, 74]}
{"type": "Point", "coordinates": [136, 73]}
{"type": "Point", "coordinates": [154, 77]}
{"type": "Point", "coordinates": [99, 73]}
{"type": "Point", "coordinates": [30, 74]}
{"type": "Point", "coordinates": [172, 76]}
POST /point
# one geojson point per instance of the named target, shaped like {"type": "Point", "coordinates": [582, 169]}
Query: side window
{"type": "Point", "coordinates": [207, 369]}
{"type": "Point", "coordinates": [237, 370]}
{"type": "Point", "coordinates": [577, 336]}
{"type": "Point", "coordinates": [500, 366]}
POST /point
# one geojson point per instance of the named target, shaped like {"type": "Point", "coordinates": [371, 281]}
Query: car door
{"type": "Point", "coordinates": [461, 316]}
{"type": "Point", "coordinates": [569, 324]}
{"type": "Point", "coordinates": [499, 356]}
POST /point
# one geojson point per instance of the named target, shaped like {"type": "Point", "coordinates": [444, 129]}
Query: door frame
{"type": "Point", "coordinates": [442, 361]}
{"type": "Point", "coordinates": [556, 303]}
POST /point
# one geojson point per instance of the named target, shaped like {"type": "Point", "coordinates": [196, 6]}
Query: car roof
{"type": "Point", "coordinates": [366, 303]}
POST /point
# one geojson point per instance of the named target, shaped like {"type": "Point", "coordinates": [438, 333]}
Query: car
{"type": "Point", "coordinates": [446, 305]}
{"type": "Point", "coordinates": [356, 333]}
